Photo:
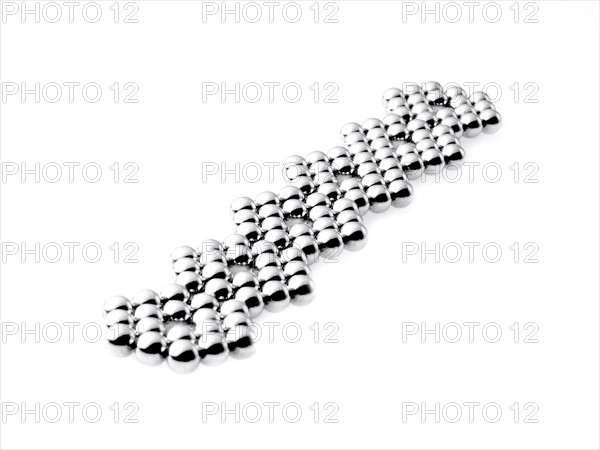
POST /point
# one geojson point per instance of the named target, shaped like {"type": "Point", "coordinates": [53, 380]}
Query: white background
{"type": "Point", "coordinates": [370, 374]}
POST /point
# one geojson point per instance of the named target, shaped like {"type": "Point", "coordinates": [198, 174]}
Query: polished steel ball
{"type": "Point", "coordinates": [212, 349]}
{"type": "Point", "coordinates": [244, 216]}
{"type": "Point", "coordinates": [186, 265]}
{"type": "Point", "coordinates": [401, 193]}
{"type": "Point", "coordinates": [343, 166]}
{"type": "Point", "coordinates": [392, 119]}
{"type": "Point", "coordinates": [404, 148]}
{"type": "Point", "coordinates": [296, 268]}
{"type": "Point", "coordinates": [292, 254]}
{"type": "Point", "coordinates": [363, 158]}
{"type": "Point", "coordinates": [355, 138]}
{"type": "Point", "coordinates": [477, 96]}
{"type": "Point", "coordinates": [384, 153]}
{"type": "Point", "coordinates": [376, 133]}
{"type": "Point", "coordinates": [454, 90]}
{"type": "Point", "coordinates": [189, 280]}
{"type": "Point", "coordinates": [151, 348]}
{"type": "Point", "coordinates": [412, 165]}
{"type": "Point", "coordinates": [394, 174]}
{"type": "Point", "coordinates": [354, 235]}
{"type": "Point", "coordinates": [411, 88]}
{"type": "Point", "coordinates": [180, 331]}
{"type": "Point", "coordinates": [380, 143]}
{"type": "Point", "coordinates": [267, 260]}
{"type": "Point", "coordinates": [427, 117]}
{"type": "Point", "coordinates": [337, 152]}
{"type": "Point", "coordinates": [215, 270]}
{"type": "Point", "coordinates": [121, 339]}
{"type": "Point", "coordinates": [324, 223]}
{"type": "Point", "coordinates": [144, 296]}
{"type": "Point", "coordinates": [250, 231]}
{"type": "Point", "coordinates": [174, 291]}
{"type": "Point", "coordinates": [491, 121]}
{"type": "Point", "coordinates": [390, 94]}
{"type": "Point", "coordinates": [419, 108]}
{"type": "Point", "coordinates": [350, 184]}
{"type": "Point", "coordinates": [215, 255]}
{"type": "Point", "coordinates": [446, 139]}
{"type": "Point", "coordinates": [359, 147]}
{"type": "Point", "coordinates": [264, 246]}
{"type": "Point", "coordinates": [278, 237]}
{"type": "Point", "coordinates": [436, 97]}
{"type": "Point", "coordinates": [241, 342]}
{"type": "Point", "coordinates": [232, 306]}
{"type": "Point", "coordinates": [266, 198]}
{"type": "Point", "coordinates": [252, 299]}
{"type": "Point", "coordinates": [270, 273]}
{"type": "Point", "coordinates": [367, 168]}
{"type": "Point", "coordinates": [245, 278]}
{"type": "Point", "coordinates": [118, 302]}
{"type": "Point", "coordinates": [371, 124]}
{"type": "Point", "coordinates": [395, 103]}
{"type": "Point", "coordinates": [348, 216]}
{"type": "Point", "coordinates": [421, 135]}
{"type": "Point", "coordinates": [455, 102]}
{"type": "Point", "coordinates": [150, 324]}
{"type": "Point", "coordinates": [331, 190]}
{"type": "Point", "coordinates": [308, 246]}
{"type": "Point", "coordinates": [147, 310]}
{"type": "Point", "coordinates": [360, 199]}
{"type": "Point", "coordinates": [220, 289]}
{"type": "Point", "coordinates": [330, 243]}
{"type": "Point", "coordinates": [235, 239]}
{"type": "Point", "coordinates": [302, 290]}
{"type": "Point", "coordinates": [176, 310]}
{"type": "Point", "coordinates": [238, 256]}
{"type": "Point", "coordinates": [317, 156]}
{"type": "Point", "coordinates": [371, 180]}
{"type": "Point", "coordinates": [320, 211]}
{"type": "Point", "coordinates": [482, 105]}
{"type": "Point", "coordinates": [433, 161]}
{"type": "Point", "coordinates": [442, 113]}
{"type": "Point", "coordinates": [294, 209]}
{"type": "Point", "coordinates": [202, 300]}
{"type": "Point", "coordinates": [273, 223]}
{"type": "Point", "coordinates": [425, 144]}
{"type": "Point", "coordinates": [242, 203]}
{"type": "Point", "coordinates": [204, 315]}
{"type": "Point", "coordinates": [471, 124]}
{"type": "Point", "coordinates": [404, 112]}
{"type": "Point", "coordinates": [276, 296]}
{"type": "Point", "coordinates": [455, 124]}
{"type": "Point", "coordinates": [379, 198]}
{"type": "Point", "coordinates": [348, 129]}
{"type": "Point", "coordinates": [415, 98]}
{"type": "Point", "coordinates": [209, 246]}
{"type": "Point", "coordinates": [118, 316]}
{"type": "Point", "coordinates": [317, 199]}
{"type": "Point", "coordinates": [301, 229]}
{"type": "Point", "coordinates": [184, 251]}
{"type": "Point", "coordinates": [235, 319]}
{"type": "Point", "coordinates": [290, 193]}
{"type": "Point", "coordinates": [465, 108]}
{"type": "Point", "coordinates": [183, 356]}
{"type": "Point", "coordinates": [453, 154]}
{"type": "Point", "coordinates": [305, 183]}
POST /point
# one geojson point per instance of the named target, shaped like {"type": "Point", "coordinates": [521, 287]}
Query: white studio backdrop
{"type": "Point", "coordinates": [470, 320]}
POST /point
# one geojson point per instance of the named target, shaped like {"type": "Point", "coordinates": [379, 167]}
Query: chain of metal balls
{"type": "Point", "coordinates": [206, 314]}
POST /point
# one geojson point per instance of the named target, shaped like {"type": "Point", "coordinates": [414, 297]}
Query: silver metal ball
{"type": "Point", "coordinates": [273, 223]}
{"type": "Point", "coordinates": [317, 199]}
{"type": "Point", "coordinates": [266, 260]}
{"type": "Point", "coordinates": [395, 103]}
{"type": "Point", "coordinates": [302, 290]}
{"type": "Point", "coordinates": [349, 184]}
{"type": "Point", "coordinates": [290, 193]}
{"type": "Point", "coordinates": [151, 348]}
{"type": "Point", "coordinates": [454, 90]}
{"type": "Point", "coordinates": [324, 223]}
{"type": "Point", "coordinates": [362, 158]}
{"type": "Point", "coordinates": [264, 246]}
{"type": "Point", "coordinates": [238, 256]}
{"type": "Point", "coordinates": [320, 211]}
{"type": "Point", "coordinates": [380, 143]}
{"type": "Point", "coordinates": [411, 88]}
{"type": "Point", "coordinates": [331, 190]}
{"type": "Point", "coordinates": [209, 246]}
{"type": "Point", "coordinates": [296, 268]}
{"type": "Point", "coordinates": [314, 157]}
{"type": "Point", "coordinates": [294, 209]}
{"type": "Point", "coordinates": [412, 165]}
{"type": "Point", "coordinates": [360, 199]}
{"type": "Point", "coordinates": [292, 254]}
{"type": "Point", "coordinates": [405, 147]}
{"type": "Point", "coordinates": [186, 265]}
{"type": "Point", "coordinates": [471, 124]}
{"type": "Point", "coordinates": [301, 229]}
{"type": "Point", "coordinates": [266, 198]}
{"type": "Point", "coordinates": [279, 237]}
{"type": "Point", "coordinates": [404, 112]}
{"type": "Point", "coordinates": [359, 147]}
{"type": "Point", "coordinates": [243, 216]}
{"type": "Point", "coordinates": [250, 231]}
{"type": "Point", "coordinates": [354, 235]}
{"type": "Point", "coordinates": [118, 316]}
{"type": "Point", "coordinates": [183, 356]}
{"type": "Point", "coordinates": [390, 94]}
{"type": "Point", "coordinates": [415, 98]}
{"type": "Point", "coordinates": [189, 280]}
{"type": "Point", "coordinates": [233, 306]}
{"type": "Point", "coordinates": [235, 319]}
{"type": "Point", "coordinates": [242, 203]}
{"type": "Point", "coordinates": [419, 108]}
{"type": "Point", "coordinates": [252, 299]}
{"type": "Point", "coordinates": [244, 279]}
{"type": "Point", "coordinates": [401, 192]}
{"type": "Point", "coordinates": [371, 180]}
{"type": "Point", "coordinates": [270, 273]}
{"type": "Point", "coordinates": [117, 302]}
{"type": "Point", "coordinates": [348, 129]}
{"type": "Point", "coordinates": [276, 296]}
{"type": "Point", "coordinates": [421, 135]}
{"type": "Point", "coordinates": [442, 113]}
{"type": "Point", "coordinates": [455, 124]}
{"type": "Point", "coordinates": [343, 166]}
{"type": "Point", "coordinates": [337, 152]}
{"type": "Point", "coordinates": [212, 349]}
{"type": "Point", "coordinates": [367, 168]}
{"type": "Point", "coordinates": [427, 117]}
{"type": "Point", "coordinates": [180, 331]}
{"type": "Point", "coordinates": [354, 138]}
{"type": "Point", "coordinates": [215, 270]}
{"type": "Point", "coordinates": [465, 108]}
{"type": "Point", "coordinates": [330, 243]}
{"type": "Point", "coordinates": [477, 96]}
{"type": "Point", "coordinates": [392, 119]}
{"type": "Point", "coordinates": [120, 338]}
{"type": "Point", "coordinates": [384, 153]}
{"type": "Point", "coordinates": [393, 175]}
{"type": "Point", "coordinates": [204, 315]}
{"type": "Point", "coordinates": [433, 161]}
{"type": "Point", "coordinates": [147, 310]}
{"type": "Point", "coordinates": [453, 154]}
{"type": "Point", "coordinates": [309, 247]}
{"type": "Point", "coordinates": [348, 216]}
{"type": "Point", "coordinates": [174, 291]}
{"type": "Point", "coordinates": [150, 324]}
{"type": "Point", "coordinates": [202, 300]}
{"type": "Point", "coordinates": [176, 310]}
{"type": "Point", "coordinates": [446, 139]}
{"type": "Point", "coordinates": [184, 251]}
{"type": "Point", "coordinates": [376, 133]}
{"type": "Point", "coordinates": [371, 124]}
{"type": "Point", "coordinates": [426, 144]}
{"type": "Point", "coordinates": [491, 121]}
{"type": "Point", "coordinates": [305, 183]}
{"type": "Point", "coordinates": [220, 289]}
{"type": "Point", "coordinates": [482, 105]}
{"type": "Point", "coordinates": [379, 198]}
{"type": "Point", "coordinates": [144, 296]}
{"type": "Point", "coordinates": [241, 342]}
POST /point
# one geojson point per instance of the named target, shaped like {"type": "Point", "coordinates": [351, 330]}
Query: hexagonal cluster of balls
{"type": "Point", "coordinates": [206, 314]}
